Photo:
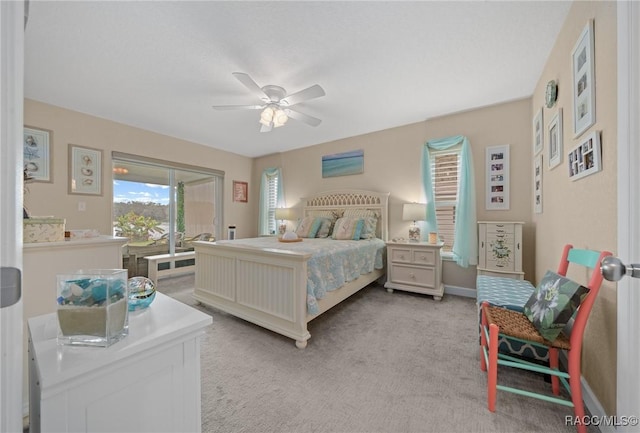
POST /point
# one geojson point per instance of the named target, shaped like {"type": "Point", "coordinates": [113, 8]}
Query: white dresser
{"type": "Point", "coordinates": [415, 267]}
{"type": "Point", "coordinates": [147, 382]}
{"type": "Point", "coordinates": [43, 261]}
{"type": "Point", "coordinates": [500, 249]}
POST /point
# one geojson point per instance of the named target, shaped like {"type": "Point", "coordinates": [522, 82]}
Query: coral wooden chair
{"type": "Point", "coordinates": [498, 321]}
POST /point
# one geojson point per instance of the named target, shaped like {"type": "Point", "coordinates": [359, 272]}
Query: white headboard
{"type": "Point", "coordinates": [354, 199]}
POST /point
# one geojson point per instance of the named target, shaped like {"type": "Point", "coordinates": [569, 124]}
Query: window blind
{"type": "Point", "coordinates": [445, 169]}
{"type": "Point", "coordinates": [272, 202]}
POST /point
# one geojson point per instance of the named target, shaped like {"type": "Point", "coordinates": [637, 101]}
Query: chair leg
{"type": "Point", "coordinates": [553, 363]}
{"type": "Point", "coordinates": [483, 341]}
{"type": "Point", "coordinates": [492, 382]}
{"type": "Point", "coordinates": [576, 389]}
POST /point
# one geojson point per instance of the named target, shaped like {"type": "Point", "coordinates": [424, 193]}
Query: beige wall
{"type": "Point", "coordinates": [81, 129]}
{"type": "Point", "coordinates": [584, 212]}
{"type": "Point", "coordinates": [392, 163]}
{"type": "Point", "coordinates": [581, 212]}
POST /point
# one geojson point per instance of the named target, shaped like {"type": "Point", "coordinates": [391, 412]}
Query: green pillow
{"type": "Point", "coordinates": [553, 303]}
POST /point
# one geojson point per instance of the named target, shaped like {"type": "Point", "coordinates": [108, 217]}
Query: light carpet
{"type": "Point", "coordinates": [378, 362]}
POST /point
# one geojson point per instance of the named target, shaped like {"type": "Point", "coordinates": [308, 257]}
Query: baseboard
{"type": "Point", "coordinates": [460, 291]}
{"type": "Point", "coordinates": [594, 407]}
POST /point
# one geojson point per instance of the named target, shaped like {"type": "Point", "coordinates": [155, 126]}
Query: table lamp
{"type": "Point", "coordinates": [283, 214]}
{"type": "Point", "coordinates": [414, 212]}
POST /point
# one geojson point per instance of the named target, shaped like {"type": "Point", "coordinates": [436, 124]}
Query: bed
{"type": "Point", "coordinates": [270, 283]}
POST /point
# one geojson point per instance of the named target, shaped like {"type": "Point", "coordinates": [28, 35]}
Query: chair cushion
{"type": "Point", "coordinates": [553, 303]}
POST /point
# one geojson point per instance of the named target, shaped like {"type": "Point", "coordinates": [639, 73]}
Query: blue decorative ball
{"type": "Point", "coordinates": [142, 292]}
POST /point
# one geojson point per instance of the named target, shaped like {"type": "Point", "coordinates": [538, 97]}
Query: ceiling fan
{"type": "Point", "coordinates": [276, 103]}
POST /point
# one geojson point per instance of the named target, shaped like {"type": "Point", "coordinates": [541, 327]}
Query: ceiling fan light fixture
{"type": "Point", "coordinates": [267, 116]}
{"type": "Point", "coordinates": [279, 118]}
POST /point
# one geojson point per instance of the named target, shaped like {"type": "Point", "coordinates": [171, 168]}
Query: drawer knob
{"type": "Point", "coordinates": [424, 258]}
{"type": "Point", "coordinates": [402, 256]}
{"type": "Point", "coordinates": [412, 276]}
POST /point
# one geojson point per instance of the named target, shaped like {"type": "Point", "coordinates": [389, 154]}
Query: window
{"type": "Point", "coordinates": [445, 169]}
{"type": "Point", "coordinates": [269, 200]}
{"type": "Point", "coordinates": [163, 202]}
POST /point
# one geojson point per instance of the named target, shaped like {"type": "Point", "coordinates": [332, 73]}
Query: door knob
{"type": "Point", "coordinates": [613, 269]}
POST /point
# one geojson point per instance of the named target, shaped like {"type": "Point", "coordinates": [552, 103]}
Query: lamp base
{"type": "Point", "coordinates": [282, 228]}
{"type": "Point", "coordinates": [414, 234]}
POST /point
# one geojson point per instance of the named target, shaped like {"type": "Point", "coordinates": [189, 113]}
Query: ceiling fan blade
{"type": "Point", "coordinates": [250, 84]}
{"type": "Point", "coordinates": [238, 107]}
{"type": "Point", "coordinates": [266, 128]}
{"type": "Point", "coordinates": [304, 118]}
{"type": "Point", "coordinates": [312, 92]}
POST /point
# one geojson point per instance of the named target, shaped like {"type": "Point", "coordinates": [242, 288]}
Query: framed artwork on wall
{"type": "Point", "coordinates": [36, 147]}
{"type": "Point", "coordinates": [554, 133]}
{"type": "Point", "coordinates": [586, 157]}
{"type": "Point", "coordinates": [85, 170]}
{"type": "Point", "coordinates": [240, 191]}
{"type": "Point", "coordinates": [584, 107]}
{"type": "Point", "coordinates": [343, 164]}
{"type": "Point", "coordinates": [537, 184]}
{"type": "Point", "coordinates": [497, 177]}
{"type": "Point", "coordinates": [538, 133]}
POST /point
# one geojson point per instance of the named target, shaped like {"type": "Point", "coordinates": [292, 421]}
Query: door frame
{"type": "Point", "coordinates": [628, 290]}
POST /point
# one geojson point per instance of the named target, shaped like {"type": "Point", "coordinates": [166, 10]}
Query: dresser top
{"type": "Point", "coordinates": [164, 321]}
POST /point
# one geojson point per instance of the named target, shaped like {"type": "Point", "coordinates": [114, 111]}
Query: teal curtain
{"type": "Point", "coordinates": [465, 242]}
{"type": "Point", "coordinates": [263, 216]}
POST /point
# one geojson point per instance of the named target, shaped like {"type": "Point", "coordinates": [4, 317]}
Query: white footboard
{"type": "Point", "coordinates": [268, 286]}
{"type": "Point", "coordinates": [263, 286]}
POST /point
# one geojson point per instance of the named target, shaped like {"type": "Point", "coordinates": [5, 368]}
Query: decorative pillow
{"type": "Point", "coordinates": [553, 303]}
{"type": "Point", "coordinates": [308, 227]}
{"type": "Point", "coordinates": [325, 227]}
{"type": "Point", "coordinates": [332, 214]}
{"type": "Point", "coordinates": [348, 228]}
{"type": "Point", "coordinates": [370, 217]}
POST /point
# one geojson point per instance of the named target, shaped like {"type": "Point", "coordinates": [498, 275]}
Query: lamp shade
{"type": "Point", "coordinates": [414, 211]}
{"type": "Point", "coordinates": [284, 213]}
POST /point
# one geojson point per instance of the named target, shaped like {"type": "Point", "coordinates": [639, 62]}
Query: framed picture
{"type": "Point", "coordinates": [584, 107]}
{"type": "Point", "coordinates": [343, 164]}
{"type": "Point", "coordinates": [585, 158]}
{"type": "Point", "coordinates": [538, 133]}
{"type": "Point", "coordinates": [554, 131]}
{"type": "Point", "coordinates": [497, 181]}
{"type": "Point", "coordinates": [240, 191]}
{"type": "Point", "coordinates": [37, 153]}
{"type": "Point", "coordinates": [85, 170]}
{"type": "Point", "coordinates": [537, 184]}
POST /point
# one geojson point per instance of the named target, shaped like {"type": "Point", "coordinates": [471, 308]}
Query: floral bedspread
{"type": "Point", "coordinates": [333, 262]}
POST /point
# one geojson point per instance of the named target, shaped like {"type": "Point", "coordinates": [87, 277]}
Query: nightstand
{"type": "Point", "coordinates": [415, 267]}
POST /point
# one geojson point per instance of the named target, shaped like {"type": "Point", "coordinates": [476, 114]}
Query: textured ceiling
{"type": "Point", "coordinates": [161, 65]}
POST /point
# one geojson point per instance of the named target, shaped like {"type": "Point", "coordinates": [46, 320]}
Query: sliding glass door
{"type": "Point", "coordinates": [162, 207]}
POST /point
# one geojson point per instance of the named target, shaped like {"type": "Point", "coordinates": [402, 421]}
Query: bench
{"type": "Point", "coordinates": [154, 261]}
{"type": "Point", "coordinates": [512, 294]}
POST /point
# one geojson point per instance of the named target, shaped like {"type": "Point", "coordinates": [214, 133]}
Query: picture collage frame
{"type": "Point", "coordinates": [497, 181]}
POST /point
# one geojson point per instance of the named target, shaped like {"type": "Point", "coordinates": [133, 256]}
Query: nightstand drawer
{"type": "Point", "coordinates": [413, 275]}
{"type": "Point", "coordinates": [422, 257]}
{"type": "Point", "coordinates": [401, 255]}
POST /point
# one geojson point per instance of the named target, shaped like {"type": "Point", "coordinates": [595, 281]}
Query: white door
{"type": "Point", "coordinates": [12, 19]}
{"type": "Point", "coordinates": [628, 370]}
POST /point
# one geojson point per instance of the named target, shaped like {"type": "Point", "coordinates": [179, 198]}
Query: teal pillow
{"type": "Point", "coordinates": [553, 304]}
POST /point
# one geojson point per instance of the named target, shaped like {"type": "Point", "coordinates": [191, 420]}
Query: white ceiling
{"type": "Point", "coordinates": [160, 66]}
